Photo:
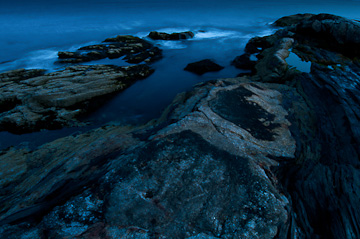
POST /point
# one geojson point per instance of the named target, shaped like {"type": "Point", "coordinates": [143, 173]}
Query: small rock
{"type": "Point", "coordinates": [201, 67]}
{"type": "Point", "coordinates": [173, 36]}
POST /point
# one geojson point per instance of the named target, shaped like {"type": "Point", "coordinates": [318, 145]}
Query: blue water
{"type": "Point", "coordinates": [31, 34]}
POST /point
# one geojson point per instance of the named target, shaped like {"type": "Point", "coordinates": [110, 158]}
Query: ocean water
{"type": "Point", "coordinates": [31, 34]}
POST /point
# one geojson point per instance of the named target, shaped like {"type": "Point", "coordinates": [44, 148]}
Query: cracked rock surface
{"type": "Point", "coordinates": [201, 176]}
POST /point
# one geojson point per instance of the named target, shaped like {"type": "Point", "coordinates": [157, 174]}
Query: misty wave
{"type": "Point", "coordinates": [41, 59]}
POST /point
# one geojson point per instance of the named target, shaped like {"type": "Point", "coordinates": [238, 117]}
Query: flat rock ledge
{"type": "Point", "coordinates": [31, 100]}
{"type": "Point", "coordinates": [273, 155]}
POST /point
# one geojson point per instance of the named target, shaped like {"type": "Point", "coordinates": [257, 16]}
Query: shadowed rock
{"type": "Point", "coordinates": [323, 181]}
{"type": "Point", "coordinates": [201, 67]}
{"type": "Point", "coordinates": [134, 49]}
{"type": "Point", "coordinates": [173, 36]}
{"type": "Point", "coordinates": [244, 62]}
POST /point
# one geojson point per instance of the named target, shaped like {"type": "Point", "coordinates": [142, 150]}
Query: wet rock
{"type": "Point", "coordinates": [134, 49]}
{"type": "Point", "coordinates": [201, 67]}
{"type": "Point", "coordinates": [272, 66]}
{"type": "Point", "coordinates": [258, 44]}
{"type": "Point", "coordinates": [173, 36]}
{"type": "Point", "coordinates": [20, 74]}
{"type": "Point", "coordinates": [56, 99]}
{"type": "Point", "coordinates": [244, 62]}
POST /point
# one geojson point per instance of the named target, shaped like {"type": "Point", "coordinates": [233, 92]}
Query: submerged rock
{"type": "Point", "coordinates": [173, 36]}
{"type": "Point", "coordinates": [31, 100]}
{"type": "Point", "coordinates": [201, 67]}
{"type": "Point", "coordinates": [134, 49]}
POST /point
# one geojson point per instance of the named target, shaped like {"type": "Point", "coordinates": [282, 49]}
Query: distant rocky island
{"type": "Point", "coordinates": [274, 153]}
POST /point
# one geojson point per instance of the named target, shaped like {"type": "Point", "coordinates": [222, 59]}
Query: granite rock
{"type": "Point", "coordinates": [205, 175]}
{"type": "Point", "coordinates": [30, 102]}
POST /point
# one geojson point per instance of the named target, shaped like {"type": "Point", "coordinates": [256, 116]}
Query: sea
{"type": "Point", "coordinates": [32, 32]}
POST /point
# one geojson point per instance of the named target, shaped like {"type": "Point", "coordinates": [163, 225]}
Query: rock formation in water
{"type": "Point", "coordinates": [273, 155]}
{"type": "Point", "coordinates": [134, 50]}
{"type": "Point", "coordinates": [31, 100]}
{"type": "Point", "coordinates": [173, 36]}
{"type": "Point", "coordinates": [203, 66]}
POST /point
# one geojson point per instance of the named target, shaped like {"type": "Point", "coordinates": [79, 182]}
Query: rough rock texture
{"type": "Point", "coordinates": [274, 155]}
{"type": "Point", "coordinates": [203, 66]}
{"type": "Point", "coordinates": [134, 49]}
{"type": "Point", "coordinates": [173, 36]}
{"type": "Point", "coordinates": [324, 180]}
{"type": "Point", "coordinates": [31, 100]}
{"type": "Point", "coordinates": [206, 175]}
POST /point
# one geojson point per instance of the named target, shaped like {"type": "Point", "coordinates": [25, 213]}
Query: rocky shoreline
{"type": "Point", "coordinates": [32, 100]}
{"type": "Point", "coordinates": [273, 154]}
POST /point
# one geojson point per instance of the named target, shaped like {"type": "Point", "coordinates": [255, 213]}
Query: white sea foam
{"type": "Point", "coordinates": [216, 33]}
{"type": "Point", "coordinates": [172, 44]}
{"type": "Point", "coordinates": [41, 59]}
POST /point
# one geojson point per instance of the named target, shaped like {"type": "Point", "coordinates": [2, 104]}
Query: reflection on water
{"type": "Point", "coordinates": [295, 61]}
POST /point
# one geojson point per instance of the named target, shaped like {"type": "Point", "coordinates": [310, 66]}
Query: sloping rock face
{"type": "Point", "coordinates": [274, 155]}
{"type": "Point", "coordinates": [31, 100]}
{"type": "Point", "coordinates": [206, 175]}
{"type": "Point", "coordinates": [134, 50]}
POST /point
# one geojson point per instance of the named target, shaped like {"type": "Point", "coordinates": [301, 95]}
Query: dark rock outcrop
{"type": "Point", "coordinates": [244, 62]}
{"type": "Point", "coordinates": [135, 50]}
{"type": "Point", "coordinates": [201, 67]}
{"type": "Point", "coordinates": [323, 181]}
{"type": "Point", "coordinates": [31, 100]}
{"type": "Point", "coordinates": [173, 36]}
